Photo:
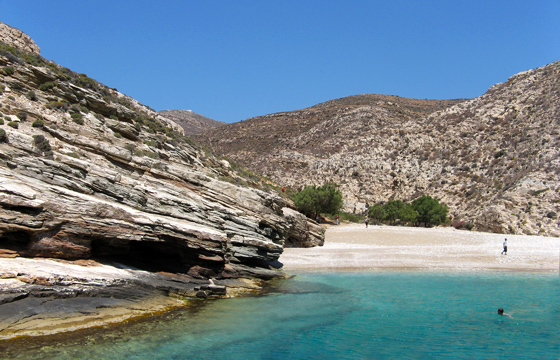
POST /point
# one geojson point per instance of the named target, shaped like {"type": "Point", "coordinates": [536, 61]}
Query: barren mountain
{"type": "Point", "coordinates": [191, 122]}
{"type": "Point", "coordinates": [494, 160]}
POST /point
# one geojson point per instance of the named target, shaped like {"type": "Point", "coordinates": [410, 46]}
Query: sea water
{"type": "Point", "coordinates": [376, 315]}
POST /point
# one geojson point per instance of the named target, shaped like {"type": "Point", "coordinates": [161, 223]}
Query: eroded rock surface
{"type": "Point", "coordinates": [89, 173]}
{"type": "Point", "coordinates": [18, 39]}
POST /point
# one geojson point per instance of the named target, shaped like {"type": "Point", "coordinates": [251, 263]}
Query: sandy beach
{"type": "Point", "coordinates": [355, 247]}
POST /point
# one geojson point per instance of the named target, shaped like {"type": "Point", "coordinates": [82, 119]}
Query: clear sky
{"type": "Point", "coordinates": [234, 59]}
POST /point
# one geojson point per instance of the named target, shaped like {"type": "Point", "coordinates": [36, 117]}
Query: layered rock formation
{"type": "Point", "coordinates": [191, 122]}
{"type": "Point", "coordinates": [18, 39]}
{"type": "Point", "coordinates": [89, 173]}
{"type": "Point", "coordinates": [493, 159]}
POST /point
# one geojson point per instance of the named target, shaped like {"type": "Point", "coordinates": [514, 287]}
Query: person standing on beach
{"type": "Point", "coordinates": [504, 252]}
{"type": "Point", "coordinates": [367, 221]}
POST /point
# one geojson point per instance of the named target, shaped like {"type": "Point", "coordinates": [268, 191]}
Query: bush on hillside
{"type": "Point", "coordinates": [22, 115]}
{"type": "Point", "coordinates": [77, 118]}
{"type": "Point", "coordinates": [31, 95]}
{"type": "Point", "coordinates": [8, 70]}
{"type": "Point", "coordinates": [47, 86]}
{"type": "Point", "coordinates": [38, 123]}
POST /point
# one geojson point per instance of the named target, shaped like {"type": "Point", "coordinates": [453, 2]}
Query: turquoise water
{"type": "Point", "coordinates": [343, 316]}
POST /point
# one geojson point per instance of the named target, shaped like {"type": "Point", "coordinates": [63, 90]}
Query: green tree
{"type": "Point", "coordinates": [399, 210]}
{"type": "Point", "coordinates": [377, 212]}
{"type": "Point", "coordinates": [392, 210]}
{"type": "Point", "coordinates": [313, 200]}
{"type": "Point", "coordinates": [430, 211]}
{"type": "Point", "coordinates": [408, 214]}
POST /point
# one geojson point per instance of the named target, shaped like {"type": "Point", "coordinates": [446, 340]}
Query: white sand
{"type": "Point", "coordinates": [353, 247]}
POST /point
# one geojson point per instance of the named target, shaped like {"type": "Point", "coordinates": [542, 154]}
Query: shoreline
{"type": "Point", "coordinates": [353, 247]}
{"type": "Point", "coordinates": [122, 295]}
{"type": "Point", "coordinates": [42, 297]}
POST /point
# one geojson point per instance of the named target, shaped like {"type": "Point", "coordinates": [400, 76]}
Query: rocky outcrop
{"type": "Point", "coordinates": [43, 296]}
{"type": "Point", "coordinates": [191, 122]}
{"type": "Point", "coordinates": [89, 173]}
{"type": "Point", "coordinates": [18, 39]}
{"type": "Point", "coordinates": [493, 159]}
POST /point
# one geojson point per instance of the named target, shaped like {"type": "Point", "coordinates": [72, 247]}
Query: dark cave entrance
{"type": "Point", "coordinates": [154, 256]}
{"type": "Point", "coordinates": [15, 241]}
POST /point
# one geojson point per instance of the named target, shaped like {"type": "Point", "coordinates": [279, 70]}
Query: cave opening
{"type": "Point", "coordinates": [15, 240]}
{"type": "Point", "coordinates": [154, 256]}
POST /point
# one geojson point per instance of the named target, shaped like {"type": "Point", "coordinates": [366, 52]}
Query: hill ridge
{"type": "Point", "coordinates": [470, 153]}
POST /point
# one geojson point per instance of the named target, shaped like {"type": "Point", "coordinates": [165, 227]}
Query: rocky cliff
{"type": "Point", "coordinates": [89, 173]}
{"type": "Point", "coordinates": [18, 39]}
{"type": "Point", "coordinates": [494, 160]}
{"type": "Point", "coordinates": [191, 122]}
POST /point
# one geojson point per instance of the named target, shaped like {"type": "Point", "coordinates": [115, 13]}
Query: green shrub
{"type": "Point", "coordinates": [8, 70]}
{"type": "Point", "coordinates": [3, 136]}
{"type": "Point", "coordinates": [114, 117]}
{"type": "Point", "coordinates": [13, 124]}
{"type": "Point", "coordinates": [344, 216]}
{"type": "Point", "coordinates": [31, 95]}
{"type": "Point", "coordinates": [130, 147]}
{"type": "Point", "coordinates": [77, 118]}
{"type": "Point", "coordinates": [42, 144]}
{"type": "Point", "coordinates": [86, 82]}
{"type": "Point", "coordinates": [38, 123]}
{"type": "Point", "coordinates": [35, 60]}
{"type": "Point", "coordinates": [117, 134]}
{"type": "Point", "coordinates": [60, 105]}
{"type": "Point", "coordinates": [152, 155]}
{"type": "Point", "coordinates": [1, 121]}
{"type": "Point", "coordinates": [47, 86]}
{"type": "Point", "coordinates": [151, 143]}
{"type": "Point", "coordinates": [22, 115]}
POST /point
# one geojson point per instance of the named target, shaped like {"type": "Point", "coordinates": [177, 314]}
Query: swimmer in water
{"type": "Point", "coordinates": [501, 312]}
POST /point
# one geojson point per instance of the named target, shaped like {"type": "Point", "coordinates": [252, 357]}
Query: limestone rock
{"type": "Point", "coordinates": [104, 177]}
{"type": "Point", "coordinates": [18, 39]}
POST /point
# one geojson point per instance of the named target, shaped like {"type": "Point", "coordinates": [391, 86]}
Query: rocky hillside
{"type": "Point", "coordinates": [18, 39]}
{"type": "Point", "coordinates": [494, 160]}
{"type": "Point", "coordinates": [89, 173]}
{"type": "Point", "coordinates": [191, 122]}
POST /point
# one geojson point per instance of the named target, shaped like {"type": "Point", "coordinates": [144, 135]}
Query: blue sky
{"type": "Point", "coordinates": [231, 60]}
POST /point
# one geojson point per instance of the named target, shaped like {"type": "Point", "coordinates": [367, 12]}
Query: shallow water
{"type": "Point", "coordinates": [341, 316]}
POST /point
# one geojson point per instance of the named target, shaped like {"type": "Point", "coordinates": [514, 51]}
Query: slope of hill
{"type": "Point", "coordinates": [493, 159]}
{"type": "Point", "coordinates": [87, 172]}
{"type": "Point", "coordinates": [191, 122]}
